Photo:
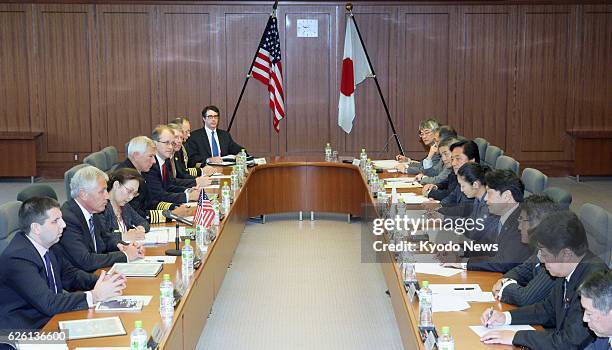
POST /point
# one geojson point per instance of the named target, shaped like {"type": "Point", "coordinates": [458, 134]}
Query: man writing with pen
{"type": "Point", "coordinates": [563, 248]}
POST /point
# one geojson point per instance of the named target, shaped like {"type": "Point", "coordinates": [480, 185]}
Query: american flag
{"type": "Point", "coordinates": [205, 213]}
{"type": "Point", "coordinates": [268, 69]}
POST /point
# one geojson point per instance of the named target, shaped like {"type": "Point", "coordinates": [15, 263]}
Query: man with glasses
{"type": "Point", "coordinates": [209, 144]}
{"type": "Point", "coordinates": [427, 134]}
{"type": "Point", "coordinates": [161, 183]}
{"type": "Point", "coordinates": [563, 248]}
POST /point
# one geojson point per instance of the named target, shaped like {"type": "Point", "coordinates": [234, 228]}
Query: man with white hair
{"type": "Point", "coordinates": [84, 242]}
{"type": "Point", "coordinates": [141, 156]}
{"type": "Point", "coordinates": [596, 300]}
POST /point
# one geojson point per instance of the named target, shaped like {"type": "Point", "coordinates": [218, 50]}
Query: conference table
{"type": "Point", "coordinates": [284, 185]}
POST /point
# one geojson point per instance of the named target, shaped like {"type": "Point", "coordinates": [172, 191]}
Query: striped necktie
{"type": "Point", "coordinates": [50, 279]}
{"type": "Point", "coordinates": [92, 232]}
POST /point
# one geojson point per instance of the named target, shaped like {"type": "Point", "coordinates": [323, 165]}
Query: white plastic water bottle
{"type": "Point", "coordinates": [226, 198]}
{"type": "Point", "coordinates": [215, 204]}
{"type": "Point", "coordinates": [138, 337]}
{"type": "Point", "coordinates": [166, 297]}
{"type": "Point", "coordinates": [243, 162]}
{"type": "Point", "coordinates": [328, 152]}
{"type": "Point", "coordinates": [446, 341]}
{"type": "Point", "coordinates": [187, 259]}
{"type": "Point", "coordinates": [200, 234]}
{"type": "Point", "coordinates": [425, 311]}
{"type": "Point", "coordinates": [234, 180]}
{"type": "Point", "coordinates": [409, 272]}
{"type": "Point", "coordinates": [363, 158]}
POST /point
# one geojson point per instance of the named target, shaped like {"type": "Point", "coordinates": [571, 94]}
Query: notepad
{"type": "Point", "coordinates": [137, 270]}
{"type": "Point", "coordinates": [482, 330]}
{"type": "Point", "coordinates": [467, 292]}
{"type": "Point", "coordinates": [93, 327]}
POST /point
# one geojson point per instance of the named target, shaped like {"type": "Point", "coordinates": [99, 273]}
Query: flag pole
{"type": "Point", "coordinates": [349, 8]}
{"type": "Point", "coordinates": [246, 80]}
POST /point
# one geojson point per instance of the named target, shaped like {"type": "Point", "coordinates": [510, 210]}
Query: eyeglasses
{"type": "Point", "coordinates": [424, 132]}
{"type": "Point", "coordinates": [167, 143]}
{"type": "Point", "coordinates": [214, 116]}
{"type": "Point", "coordinates": [130, 191]}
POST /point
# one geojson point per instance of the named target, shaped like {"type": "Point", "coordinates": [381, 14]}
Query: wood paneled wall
{"type": "Point", "coordinates": [92, 75]}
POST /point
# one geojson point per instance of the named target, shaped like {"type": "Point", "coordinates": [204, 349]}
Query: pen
{"type": "Point", "coordinates": [489, 318]}
{"type": "Point", "coordinates": [470, 288]}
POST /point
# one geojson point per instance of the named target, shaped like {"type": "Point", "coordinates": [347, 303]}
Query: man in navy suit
{"type": "Point", "coordinates": [596, 300]}
{"type": "Point", "coordinates": [85, 243]}
{"type": "Point", "coordinates": [33, 278]}
{"type": "Point", "coordinates": [210, 143]}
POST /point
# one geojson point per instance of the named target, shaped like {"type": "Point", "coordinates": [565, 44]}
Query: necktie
{"type": "Point", "coordinates": [164, 173]}
{"type": "Point", "coordinates": [499, 227]}
{"type": "Point", "coordinates": [50, 279]}
{"type": "Point", "coordinates": [92, 232]}
{"type": "Point", "coordinates": [215, 147]}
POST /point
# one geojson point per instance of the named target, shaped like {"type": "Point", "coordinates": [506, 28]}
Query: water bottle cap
{"type": "Point", "coordinates": [329, 144]}
{"type": "Point", "coordinates": [425, 284]}
{"type": "Point", "coordinates": [166, 277]}
{"type": "Point", "coordinates": [363, 150]}
{"type": "Point", "coordinates": [243, 150]}
{"type": "Point", "coordinates": [187, 241]}
{"type": "Point", "coordinates": [445, 330]}
{"type": "Point", "coordinates": [138, 324]}
{"type": "Point", "coordinates": [224, 183]}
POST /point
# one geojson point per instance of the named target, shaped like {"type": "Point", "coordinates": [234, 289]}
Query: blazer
{"type": "Point", "coordinates": [77, 245]}
{"type": "Point", "coordinates": [164, 192]}
{"type": "Point", "coordinates": [185, 180]}
{"type": "Point", "coordinates": [563, 318]}
{"type": "Point", "coordinates": [181, 159]}
{"type": "Point", "coordinates": [27, 301]}
{"type": "Point", "coordinates": [445, 187]}
{"type": "Point", "coordinates": [511, 251]}
{"type": "Point", "coordinates": [417, 167]}
{"type": "Point", "coordinates": [130, 217]}
{"type": "Point", "coordinates": [480, 210]}
{"type": "Point", "coordinates": [198, 147]}
{"type": "Point", "coordinates": [533, 283]}
{"type": "Point", "coordinates": [144, 204]}
{"type": "Point", "coordinates": [600, 344]}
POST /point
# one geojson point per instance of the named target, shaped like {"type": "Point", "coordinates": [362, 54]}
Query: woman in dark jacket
{"type": "Point", "coordinates": [122, 186]}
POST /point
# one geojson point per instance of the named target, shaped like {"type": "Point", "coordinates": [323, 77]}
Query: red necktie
{"type": "Point", "coordinates": [164, 173]}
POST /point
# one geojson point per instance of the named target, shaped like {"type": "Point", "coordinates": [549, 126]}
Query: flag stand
{"type": "Point", "coordinates": [246, 80]}
{"type": "Point", "coordinates": [349, 8]}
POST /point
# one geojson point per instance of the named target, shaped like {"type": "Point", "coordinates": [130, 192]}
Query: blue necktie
{"type": "Point", "coordinates": [92, 232]}
{"type": "Point", "coordinates": [499, 227]}
{"type": "Point", "coordinates": [50, 279]}
{"type": "Point", "coordinates": [215, 147]}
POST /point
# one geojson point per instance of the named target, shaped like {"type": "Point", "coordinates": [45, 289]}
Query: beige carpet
{"type": "Point", "coordinates": [301, 285]}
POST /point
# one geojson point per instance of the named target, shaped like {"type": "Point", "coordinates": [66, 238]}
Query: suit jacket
{"type": "Point", "coordinates": [599, 344]}
{"type": "Point", "coordinates": [77, 245]}
{"type": "Point", "coordinates": [198, 147]}
{"type": "Point", "coordinates": [533, 283]}
{"type": "Point", "coordinates": [144, 204]}
{"type": "Point", "coordinates": [181, 160]}
{"type": "Point", "coordinates": [418, 167]}
{"type": "Point", "coordinates": [444, 187]}
{"type": "Point", "coordinates": [511, 251]}
{"type": "Point", "coordinates": [562, 317]}
{"type": "Point", "coordinates": [185, 180]}
{"type": "Point", "coordinates": [27, 301]}
{"type": "Point", "coordinates": [480, 210]}
{"type": "Point", "coordinates": [130, 217]}
{"type": "Point", "coordinates": [169, 191]}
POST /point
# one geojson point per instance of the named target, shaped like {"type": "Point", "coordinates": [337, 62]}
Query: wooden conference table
{"type": "Point", "coordinates": [283, 185]}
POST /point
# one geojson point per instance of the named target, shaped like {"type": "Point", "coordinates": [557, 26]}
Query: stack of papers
{"type": "Point", "coordinates": [436, 269]}
{"type": "Point", "coordinates": [448, 304]}
{"type": "Point", "coordinates": [482, 330]}
{"type": "Point", "coordinates": [397, 184]}
{"type": "Point", "coordinates": [137, 270]}
{"type": "Point", "coordinates": [385, 164]}
{"type": "Point", "coordinates": [93, 327]}
{"type": "Point", "coordinates": [163, 235]}
{"type": "Point", "coordinates": [401, 179]}
{"type": "Point", "coordinates": [411, 198]}
{"type": "Point", "coordinates": [155, 259]}
{"type": "Point", "coordinates": [467, 292]}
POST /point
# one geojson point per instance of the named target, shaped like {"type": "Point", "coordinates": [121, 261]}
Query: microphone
{"type": "Point", "coordinates": [167, 213]}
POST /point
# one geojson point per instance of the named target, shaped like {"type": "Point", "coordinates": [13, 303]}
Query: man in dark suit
{"type": "Point", "coordinates": [529, 282]}
{"type": "Point", "coordinates": [210, 143]}
{"type": "Point", "coordinates": [84, 242]}
{"type": "Point", "coordinates": [33, 278]}
{"type": "Point", "coordinates": [596, 299]}
{"type": "Point", "coordinates": [162, 185]}
{"type": "Point", "coordinates": [504, 194]}
{"type": "Point", "coordinates": [563, 248]}
{"type": "Point", "coordinates": [179, 168]}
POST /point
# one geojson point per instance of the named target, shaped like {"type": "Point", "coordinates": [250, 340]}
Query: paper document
{"type": "Point", "coordinates": [41, 346]}
{"type": "Point", "coordinates": [221, 177]}
{"type": "Point", "coordinates": [260, 161]}
{"type": "Point", "coordinates": [448, 303]}
{"type": "Point", "coordinates": [385, 164]}
{"type": "Point", "coordinates": [401, 179]}
{"type": "Point", "coordinates": [403, 185]}
{"type": "Point", "coordinates": [137, 270]}
{"type": "Point", "coordinates": [93, 327]}
{"type": "Point", "coordinates": [436, 269]}
{"type": "Point", "coordinates": [482, 330]}
{"type": "Point", "coordinates": [155, 259]}
{"type": "Point", "coordinates": [212, 187]}
{"type": "Point", "coordinates": [411, 198]}
{"type": "Point", "coordinates": [468, 292]}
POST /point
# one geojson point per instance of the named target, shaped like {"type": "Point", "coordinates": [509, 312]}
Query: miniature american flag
{"type": "Point", "coordinates": [204, 213]}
